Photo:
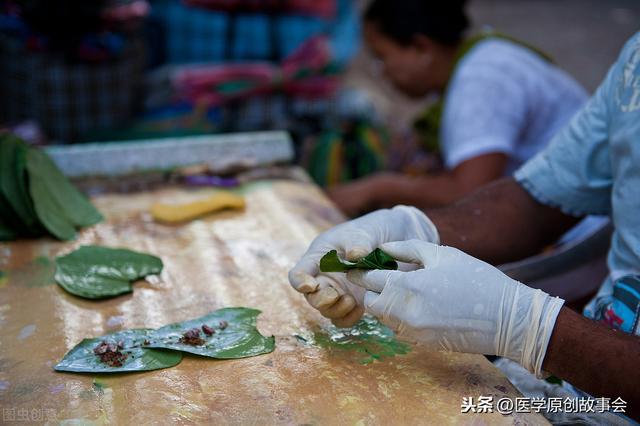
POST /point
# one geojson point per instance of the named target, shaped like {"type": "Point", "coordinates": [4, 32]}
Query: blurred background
{"type": "Point", "coordinates": [74, 71]}
{"type": "Point", "coordinates": [583, 36]}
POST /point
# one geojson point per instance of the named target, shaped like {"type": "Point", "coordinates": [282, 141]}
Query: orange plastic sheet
{"type": "Point", "coordinates": [226, 259]}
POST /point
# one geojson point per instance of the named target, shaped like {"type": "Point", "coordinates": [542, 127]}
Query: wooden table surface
{"type": "Point", "coordinates": [226, 259]}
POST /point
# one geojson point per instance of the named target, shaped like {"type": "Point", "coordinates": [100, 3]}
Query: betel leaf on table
{"type": "Point", "coordinates": [226, 333]}
{"type": "Point", "coordinates": [131, 354]}
{"type": "Point", "coordinates": [368, 339]}
{"type": "Point", "coordinates": [60, 207]}
{"type": "Point", "coordinates": [377, 259]}
{"type": "Point", "coordinates": [98, 272]}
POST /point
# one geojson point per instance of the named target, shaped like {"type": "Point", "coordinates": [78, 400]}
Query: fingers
{"type": "Point", "coordinates": [350, 319]}
{"type": "Point", "coordinates": [302, 275]}
{"type": "Point", "coordinates": [374, 280]}
{"type": "Point", "coordinates": [341, 308]}
{"type": "Point", "coordinates": [357, 247]}
{"type": "Point", "coordinates": [331, 302]}
{"type": "Point", "coordinates": [324, 297]}
{"type": "Point", "coordinates": [412, 251]}
{"type": "Point", "coordinates": [370, 298]}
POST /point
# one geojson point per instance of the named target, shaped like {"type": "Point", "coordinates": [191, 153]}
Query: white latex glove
{"type": "Point", "coordinates": [459, 303]}
{"type": "Point", "coordinates": [331, 293]}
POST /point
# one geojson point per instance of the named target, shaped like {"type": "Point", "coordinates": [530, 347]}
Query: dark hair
{"type": "Point", "coordinates": [441, 20]}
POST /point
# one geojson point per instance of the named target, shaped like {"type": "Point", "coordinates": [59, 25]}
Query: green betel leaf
{"type": "Point", "coordinates": [7, 231]}
{"type": "Point", "coordinates": [119, 352]}
{"type": "Point", "coordinates": [226, 333]}
{"type": "Point", "coordinates": [58, 204]}
{"type": "Point", "coordinates": [98, 272]}
{"type": "Point", "coordinates": [10, 219]}
{"type": "Point", "coordinates": [368, 337]}
{"type": "Point", "coordinates": [20, 169]}
{"type": "Point", "coordinates": [377, 259]}
{"type": "Point", "coordinates": [330, 262]}
{"type": "Point", "coordinates": [13, 185]}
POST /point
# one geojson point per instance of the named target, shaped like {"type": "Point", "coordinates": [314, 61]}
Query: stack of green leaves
{"type": "Point", "coordinates": [227, 333]}
{"type": "Point", "coordinates": [377, 259]}
{"type": "Point", "coordinates": [36, 198]}
{"type": "Point", "coordinates": [97, 272]}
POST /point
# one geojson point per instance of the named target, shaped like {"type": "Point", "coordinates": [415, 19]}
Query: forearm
{"type": "Point", "coordinates": [419, 191]}
{"type": "Point", "coordinates": [499, 223]}
{"type": "Point", "coordinates": [595, 358]}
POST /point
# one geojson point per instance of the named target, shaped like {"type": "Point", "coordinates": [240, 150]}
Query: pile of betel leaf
{"type": "Point", "coordinates": [227, 333]}
{"type": "Point", "coordinates": [36, 198]}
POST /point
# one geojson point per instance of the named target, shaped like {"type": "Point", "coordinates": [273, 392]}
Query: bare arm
{"type": "Point", "coordinates": [606, 360]}
{"type": "Point", "coordinates": [389, 189]}
{"type": "Point", "coordinates": [499, 223]}
{"type": "Point", "coordinates": [502, 222]}
{"type": "Point", "coordinates": [444, 188]}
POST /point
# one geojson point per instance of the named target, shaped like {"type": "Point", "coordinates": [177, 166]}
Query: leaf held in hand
{"type": "Point", "coordinates": [377, 259]}
{"type": "Point", "coordinates": [226, 333]}
{"type": "Point", "coordinates": [98, 272]}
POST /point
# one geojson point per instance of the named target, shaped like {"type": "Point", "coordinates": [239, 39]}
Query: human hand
{"type": "Point", "coordinates": [459, 303]}
{"type": "Point", "coordinates": [331, 293]}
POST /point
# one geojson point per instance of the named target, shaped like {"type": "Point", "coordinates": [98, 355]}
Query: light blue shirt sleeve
{"type": "Point", "coordinates": [574, 172]}
{"type": "Point", "coordinates": [593, 167]}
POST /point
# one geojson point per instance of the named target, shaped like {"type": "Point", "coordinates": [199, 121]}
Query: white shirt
{"type": "Point", "coordinates": [505, 98]}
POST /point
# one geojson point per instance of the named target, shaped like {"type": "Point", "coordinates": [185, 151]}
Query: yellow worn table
{"type": "Point", "coordinates": [228, 259]}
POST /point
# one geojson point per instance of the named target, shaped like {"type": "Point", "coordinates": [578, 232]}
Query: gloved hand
{"type": "Point", "coordinates": [331, 293]}
{"type": "Point", "coordinates": [459, 303]}
{"type": "Point", "coordinates": [336, 298]}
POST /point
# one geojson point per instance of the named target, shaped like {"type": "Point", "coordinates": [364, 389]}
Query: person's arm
{"type": "Point", "coordinates": [458, 303]}
{"type": "Point", "coordinates": [500, 222]}
{"type": "Point", "coordinates": [386, 190]}
{"type": "Point", "coordinates": [443, 188]}
{"type": "Point", "coordinates": [497, 223]}
{"type": "Point", "coordinates": [600, 367]}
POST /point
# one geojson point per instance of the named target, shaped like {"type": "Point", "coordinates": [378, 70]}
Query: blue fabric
{"type": "Point", "coordinates": [592, 166]}
{"type": "Point", "coordinates": [199, 35]}
{"type": "Point", "coordinates": [192, 35]}
{"type": "Point", "coordinates": [69, 100]}
{"type": "Point", "coordinates": [344, 36]}
{"type": "Point", "coordinates": [293, 30]}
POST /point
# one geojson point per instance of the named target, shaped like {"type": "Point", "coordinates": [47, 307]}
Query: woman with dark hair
{"type": "Point", "coordinates": [500, 102]}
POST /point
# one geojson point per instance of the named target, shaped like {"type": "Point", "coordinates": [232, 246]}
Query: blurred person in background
{"type": "Point", "coordinates": [499, 102]}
